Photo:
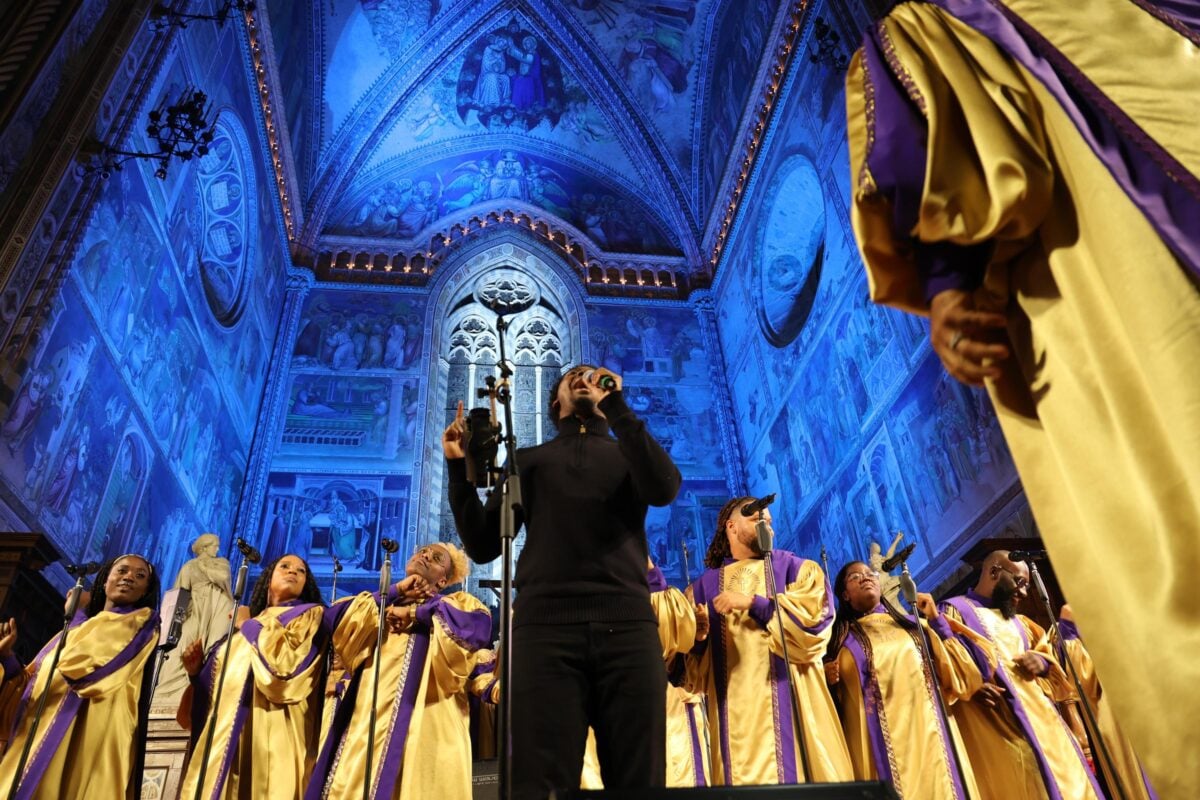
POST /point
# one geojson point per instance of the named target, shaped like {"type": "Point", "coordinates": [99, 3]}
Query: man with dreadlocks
{"type": "Point", "coordinates": [87, 743]}
{"type": "Point", "coordinates": [422, 717]}
{"type": "Point", "coordinates": [1018, 743]}
{"type": "Point", "coordinates": [739, 652]}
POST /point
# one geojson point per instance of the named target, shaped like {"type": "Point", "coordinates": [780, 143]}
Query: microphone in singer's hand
{"type": "Point", "coordinates": [606, 382]}
{"type": "Point", "coordinates": [896, 560]}
{"type": "Point", "coordinates": [755, 506]}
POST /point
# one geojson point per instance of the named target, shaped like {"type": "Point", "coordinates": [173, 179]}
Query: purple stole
{"type": "Point", "coordinates": [786, 566]}
{"type": "Point", "coordinates": [966, 606]}
{"type": "Point", "coordinates": [64, 716]}
{"type": "Point", "coordinates": [873, 707]}
{"type": "Point", "coordinates": [471, 629]}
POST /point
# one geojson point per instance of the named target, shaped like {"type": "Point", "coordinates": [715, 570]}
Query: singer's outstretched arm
{"type": "Point", "coordinates": [656, 479]}
{"type": "Point", "coordinates": [478, 524]}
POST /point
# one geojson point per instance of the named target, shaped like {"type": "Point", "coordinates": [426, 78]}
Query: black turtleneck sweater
{"type": "Point", "coordinates": [585, 497]}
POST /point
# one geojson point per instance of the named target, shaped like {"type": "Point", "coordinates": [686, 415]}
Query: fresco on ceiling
{"type": "Point", "coordinates": [654, 47]}
{"type": "Point", "coordinates": [509, 78]}
{"type": "Point", "coordinates": [402, 207]}
{"type": "Point", "coordinates": [741, 36]}
{"type": "Point", "coordinates": [289, 22]}
{"type": "Point", "coordinates": [349, 417]}
{"type": "Point", "coordinates": [659, 354]}
{"type": "Point", "coordinates": [842, 409]}
{"type": "Point", "coordinates": [323, 516]}
{"type": "Point", "coordinates": [131, 423]}
{"type": "Point", "coordinates": [348, 331]}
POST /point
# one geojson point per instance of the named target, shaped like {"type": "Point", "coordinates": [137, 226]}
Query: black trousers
{"type": "Point", "coordinates": [609, 675]}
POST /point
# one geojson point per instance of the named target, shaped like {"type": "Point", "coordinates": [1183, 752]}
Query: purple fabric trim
{"type": "Point", "coordinates": [1161, 187]}
{"type": "Point", "coordinates": [1182, 15]}
{"type": "Point", "coordinates": [470, 628]}
{"type": "Point", "coordinates": [762, 609]}
{"type": "Point", "coordinates": [697, 749]}
{"type": "Point", "coordinates": [706, 587]}
{"type": "Point", "coordinates": [941, 626]}
{"type": "Point", "coordinates": [68, 709]}
{"type": "Point", "coordinates": [252, 629]}
{"type": "Point", "coordinates": [322, 770]}
{"type": "Point", "coordinates": [942, 266]}
{"type": "Point", "coordinates": [235, 735]}
{"type": "Point", "coordinates": [392, 762]}
{"type": "Point", "coordinates": [866, 679]}
{"type": "Point", "coordinates": [1068, 630]}
{"type": "Point", "coordinates": [483, 667]}
{"type": "Point", "coordinates": [786, 568]}
{"type": "Point", "coordinates": [656, 580]}
{"type": "Point", "coordinates": [785, 746]}
{"type": "Point", "coordinates": [966, 610]}
{"type": "Point", "coordinates": [12, 666]}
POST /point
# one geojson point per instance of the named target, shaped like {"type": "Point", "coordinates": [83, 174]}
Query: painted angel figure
{"type": "Point", "coordinates": [469, 186]}
{"type": "Point", "coordinates": [889, 585]}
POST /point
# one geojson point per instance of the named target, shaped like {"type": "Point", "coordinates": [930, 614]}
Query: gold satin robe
{"type": "Point", "coordinates": [436, 762]}
{"type": "Point", "coordinates": [921, 764]}
{"type": "Point", "coordinates": [1004, 763]}
{"type": "Point", "coordinates": [749, 719]}
{"type": "Point", "coordinates": [95, 757]}
{"type": "Point", "coordinates": [1099, 402]}
{"type": "Point", "coordinates": [277, 747]}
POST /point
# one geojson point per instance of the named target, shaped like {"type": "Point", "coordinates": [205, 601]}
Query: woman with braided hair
{"type": "Point", "coordinates": [739, 652]}
{"type": "Point", "coordinates": [894, 729]}
{"type": "Point", "coordinates": [88, 741]}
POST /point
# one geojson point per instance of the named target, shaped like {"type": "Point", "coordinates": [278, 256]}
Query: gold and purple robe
{"type": "Point", "coordinates": [741, 673]}
{"type": "Point", "coordinates": [1023, 748]}
{"type": "Point", "coordinates": [422, 743]}
{"type": "Point", "coordinates": [86, 740]}
{"type": "Point", "coordinates": [267, 729]}
{"type": "Point", "coordinates": [893, 724]}
{"type": "Point", "coordinates": [1042, 155]}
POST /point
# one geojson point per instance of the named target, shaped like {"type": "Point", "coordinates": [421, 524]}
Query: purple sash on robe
{"type": "Point", "coordinates": [64, 716]}
{"type": "Point", "coordinates": [966, 606]}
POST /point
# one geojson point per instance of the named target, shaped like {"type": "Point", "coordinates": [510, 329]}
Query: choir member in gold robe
{"type": "Point", "coordinates": [1124, 773]}
{"type": "Point", "coordinates": [87, 740]}
{"type": "Point", "coordinates": [738, 665]}
{"type": "Point", "coordinates": [267, 726]}
{"type": "Point", "coordinates": [422, 719]}
{"type": "Point", "coordinates": [1027, 173]}
{"type": "Point", "coordinates": [1019, 744]}
{"type": "Point", "coordinates": [894, 726]}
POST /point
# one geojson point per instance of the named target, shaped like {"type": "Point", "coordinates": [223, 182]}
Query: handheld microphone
{"type": "Point", "coordinates": [481, 444]}
{"type": "Point", "coordinates": [389, 545]}
{"type": "Point", "coordinates": [248, 551]}
{"type": "Point", "coordinates": [606, 382]}
{"type": "Point", "coordinates": [1026, 555]}
{"type": "Point", "coordinates": [755, 506]}
{"type": "Point", "coordinates": [896, 560]}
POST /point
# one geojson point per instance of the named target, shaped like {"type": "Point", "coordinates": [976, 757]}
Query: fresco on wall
{"type": "Point", "coordinates": [337, 416]}
{"type": "Point", "coordinates": [402, 205]}
{"type": "Point", "coordinates": [679, 534]}
{"type": "Point", "coordinates": [347, 331]}
{"type": "Point", "coordinates": [323, 517]}
{"type": "Point", "coordinates": [741, 35]}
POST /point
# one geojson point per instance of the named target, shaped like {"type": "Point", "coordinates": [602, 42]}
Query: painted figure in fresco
{"type": "Point", "coordinates": [397, 335]}
{"type": "Point", "coordinates": [528, 91]}
{"type": "Point", "coordinates": [343, 530]}
{"type": "Point", "coordinates": [59, 491]}
{"type": "Point", "coordinates": [26, 409]}
{"type": "Point", "coordinates": [493, 87]}
{"type": "Point", "coordinates": [472, 184]}
{"type": "Point", "coordinates": [509, 179]}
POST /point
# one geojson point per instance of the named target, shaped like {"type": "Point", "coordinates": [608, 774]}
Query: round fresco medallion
{"type": "Point", "coordinates": [791, 247]}
{"type": "Point", "coordinates": [226, 222]}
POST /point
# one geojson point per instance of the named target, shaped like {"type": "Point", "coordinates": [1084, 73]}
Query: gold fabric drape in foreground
{"type": "Point", "coordinates": [95, 756]}
{"type": "Point", "coordinates": [1100, 405]}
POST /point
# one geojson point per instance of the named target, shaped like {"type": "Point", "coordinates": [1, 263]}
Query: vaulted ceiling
{"type": "Point", "coordinates": [615, 117]}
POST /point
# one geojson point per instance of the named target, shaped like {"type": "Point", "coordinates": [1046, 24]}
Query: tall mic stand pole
{"type": "Point", "coordinates": [337, 567]}
{"type": "Point", "coordinates": [249, 556]}
{"type": "Point", "coordinates": [766, 545]}
{"type": "Point", "coordinates": [174, 631]}
{"type": "Point", "coordinates": [385, 580]}
{"type": "Point", "coordinates": [511, 502]}
{"type": "Point", "coordinates": [1108, 767]}
{"type": "Point", "coordinates": [908, 588]}
{"type": "Point", "coordinates": [72, 606]}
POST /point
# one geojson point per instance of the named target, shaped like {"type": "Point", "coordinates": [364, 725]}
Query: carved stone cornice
{"type": "Point", "coordinates": [704, 305]}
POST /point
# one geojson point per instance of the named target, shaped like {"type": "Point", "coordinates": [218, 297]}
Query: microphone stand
{"type": "Point", "coordinates": [766, 545]}
{"type": "Point", "coordinates": [337, 567]}
{"type": "Point", "coordinates": [908, 588]}
{"type": "Point", "coordinates": [174, 631]}
{"type": "Point", "coordinates": [249, 556]}
{"type": "Point", "coordinates": [385, 581]}
{"type": "Point", "coordinates": [72, 606]}
{"type": "Point", "coordinates": [511, 502]}
{"type": "Point", "coordinates": [687, 576]}
{"type": "Point", "coordinates": [1107, 768]}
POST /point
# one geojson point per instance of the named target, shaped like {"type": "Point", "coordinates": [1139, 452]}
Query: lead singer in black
{"type": "Point", "coordinates": [586, 648]}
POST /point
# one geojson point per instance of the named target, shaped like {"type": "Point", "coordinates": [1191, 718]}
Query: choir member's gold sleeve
{"type": "Point", "coordinates": [676, 621]}
{"type": "Point", "coordinates": [94, 757]}
{"type": "Point", "coordinates": [805, 608]}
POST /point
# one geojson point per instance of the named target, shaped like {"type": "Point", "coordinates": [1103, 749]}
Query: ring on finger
{"type": "Point", "coordinates": [955, 339]}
